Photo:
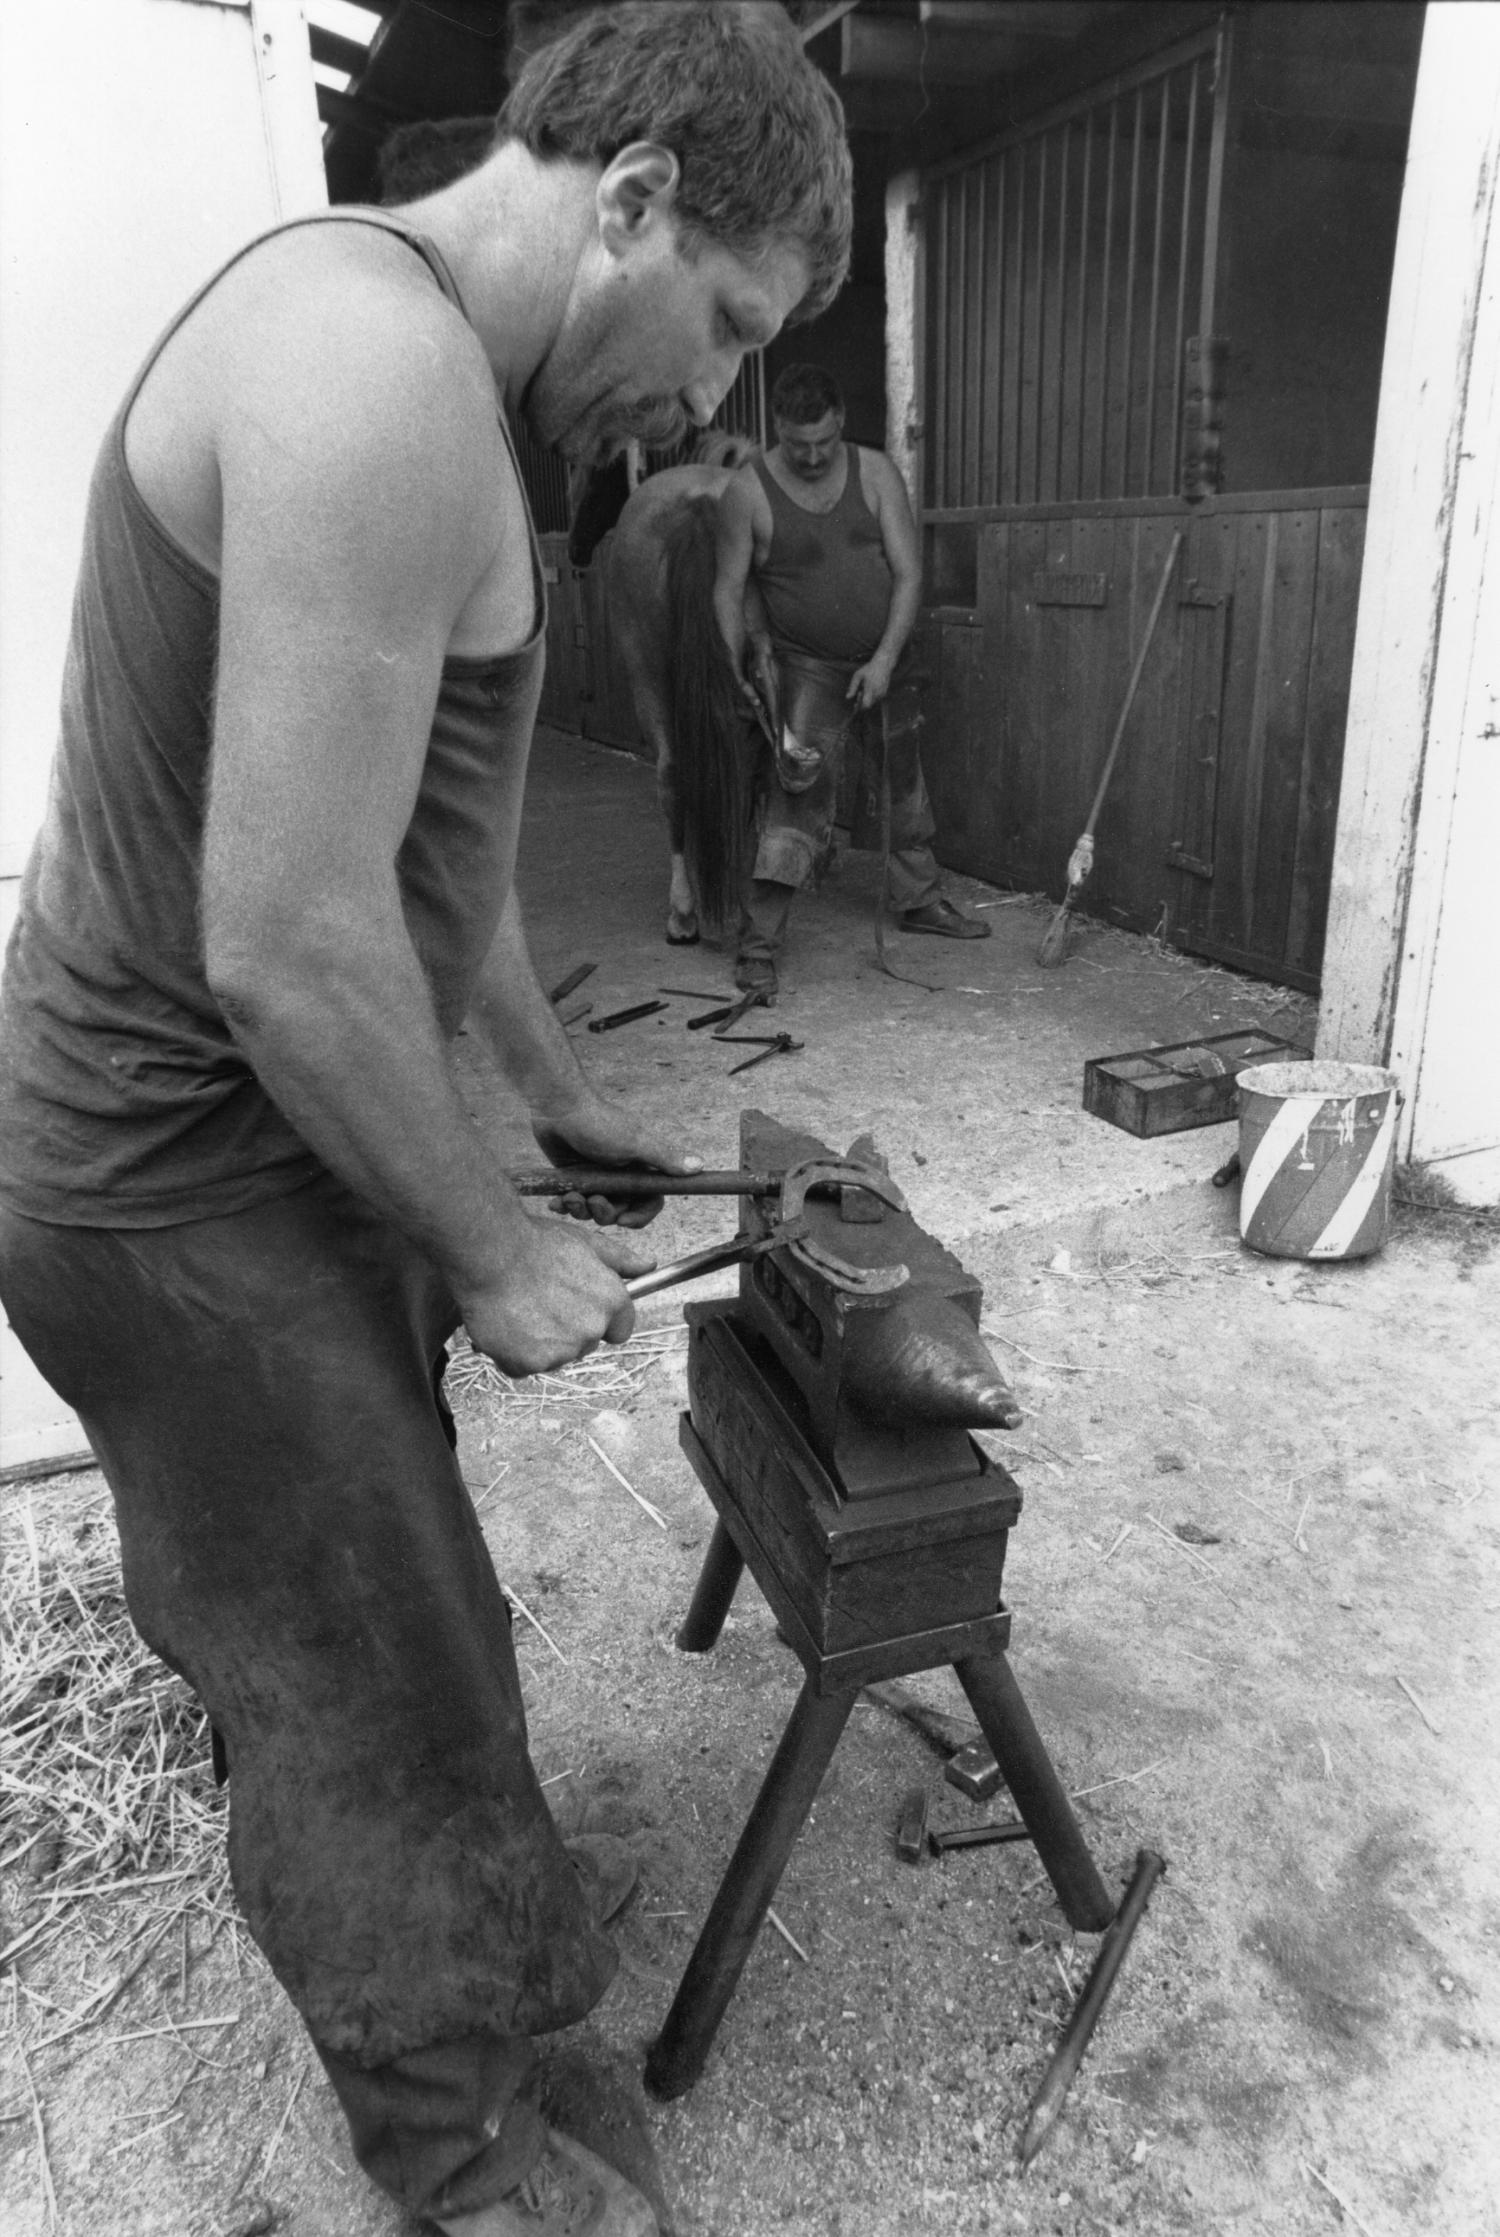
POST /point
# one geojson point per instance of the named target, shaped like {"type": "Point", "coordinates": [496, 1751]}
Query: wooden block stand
{"type": "Point", "coordinates": [862, 1589]}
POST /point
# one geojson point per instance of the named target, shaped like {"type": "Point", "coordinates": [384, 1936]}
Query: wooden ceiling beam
{"type": "Point", "coordinates": [1030, 19]}
{"type": "Point", "coordinates": [884, 47]}
{"type": "Point", "coordinates": [338, 53]}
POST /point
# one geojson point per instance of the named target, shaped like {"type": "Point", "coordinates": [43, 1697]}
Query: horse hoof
{"type": "Point", "coordinates": [682, 931]}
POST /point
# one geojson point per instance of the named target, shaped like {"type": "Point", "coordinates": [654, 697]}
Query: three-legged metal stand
{"type": "Point", "coordinates": [976, 1650]}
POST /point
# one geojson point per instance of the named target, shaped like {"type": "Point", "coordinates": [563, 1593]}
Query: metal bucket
{"type": "Point", "coordinates": [1317, 1143]}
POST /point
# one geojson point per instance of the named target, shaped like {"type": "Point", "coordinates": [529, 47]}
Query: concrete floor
{"type": "Point", "coordinates": [973, 1089]}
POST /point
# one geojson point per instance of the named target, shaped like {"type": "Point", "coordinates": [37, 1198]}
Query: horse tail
{"type": "Point", "coordinates": [710, 740]}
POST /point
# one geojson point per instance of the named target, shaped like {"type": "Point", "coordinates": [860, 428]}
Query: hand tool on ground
{"type": "Point", "coordinates": [1081, 861]}
{"type": "Point", "coordinates": [773, 1044]}
{"type": "Point", "coordinates": [695, 993]}
{"type": "Point", "coordinates": [974, 1771]}
{"type": "Point", "coordinates": [626, 1017]}
{"type": "Point", "coordinates": [947, 1734]}
{"type": "Point", "coordinates": [978, 1836]}
{"type": "Point", "coordinates": [831, 1408]}
{"type": "Point", "coordinates": [911, 1827]}
{"type": "Point", "coordinates": [731, 1016]}
{"type": "Point", "coordinates": [1068, 2057]}
{"type": "Point", "coordinates": [576, 977]}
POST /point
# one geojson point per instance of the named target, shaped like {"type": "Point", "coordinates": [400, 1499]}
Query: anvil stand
{"type": "Point", "coordinates": [975, 1648]}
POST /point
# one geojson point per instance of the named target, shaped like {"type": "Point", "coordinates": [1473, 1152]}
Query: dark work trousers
{"type": "Point", "coordinates": [796, 826]}
{"type": "Point", "coordinates": [298, 1542]}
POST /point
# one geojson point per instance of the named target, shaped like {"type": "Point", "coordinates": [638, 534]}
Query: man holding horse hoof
{"type": "Point", "coordinates": [822, 530]}
{"type": "Point", "coordinates": [242, 1202]}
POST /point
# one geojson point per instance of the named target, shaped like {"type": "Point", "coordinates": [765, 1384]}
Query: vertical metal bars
{"type": "Point", "coordinates": [1061, 261]}
{"type": "Point", "coordinates": [1185, 236]}
{"type": "Point", "coordinates": [544, 477]}
{"type": "Point", "coordinates": [1083, 300]}
{"type": "Point", "coordinates": [1132, 246]}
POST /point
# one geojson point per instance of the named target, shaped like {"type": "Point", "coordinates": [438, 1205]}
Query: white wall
{"type": "Point", "coordinates": [140, 142]}
{"type": "Point", "coordinates": [1411, 962]}
{"type": "Point", "coordinates": [903, 332]}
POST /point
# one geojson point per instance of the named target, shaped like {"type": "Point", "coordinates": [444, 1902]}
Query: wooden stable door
{"type": "Point", "coordinates": [1217, 832]}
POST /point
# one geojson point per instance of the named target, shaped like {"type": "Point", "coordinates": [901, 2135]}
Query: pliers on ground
{"type": "Point", "coordinates": [769, 1044]}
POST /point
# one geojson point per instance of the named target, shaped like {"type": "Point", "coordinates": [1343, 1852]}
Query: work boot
{"type": "Point", "coordinates": [940, 917]}
{"type": "Point", "coordinates": [609, 1869]}
{"type": "Point", "coordinates": [568, 2192]}
{"type": "Point", "coordinates": [756, 974]}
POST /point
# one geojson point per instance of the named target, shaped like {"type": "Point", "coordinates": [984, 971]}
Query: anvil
{"type": "Point", "coordinates": [831, 1406]}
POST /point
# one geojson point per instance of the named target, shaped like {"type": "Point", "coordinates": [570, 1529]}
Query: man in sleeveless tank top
{"type": "Point", "coordinates": [242, 1203]}
{"type": "Point", "coordinates": [820, 532]}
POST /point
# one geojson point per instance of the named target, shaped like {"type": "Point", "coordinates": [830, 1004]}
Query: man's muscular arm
{"type": "Point", "coordinates": [572, 1121]}
{"type": "Point", "coordinates": [366, 501]}
{"type": "Point", "coordinates": [886, 491]}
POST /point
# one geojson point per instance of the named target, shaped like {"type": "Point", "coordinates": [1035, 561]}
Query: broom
{"type": "Point", "coordinates": [1081, 861]}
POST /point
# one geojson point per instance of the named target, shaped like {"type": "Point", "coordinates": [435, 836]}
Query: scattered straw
{"type": "Point", "coordinates": [1195, 1558]}
{"type": "Point", "coordinates": [787, 1936]}
{"type": "Point", "coordinates": [514, 1597]}
{"type": "Point", "coordinates": [1063, 1366]}
{"type": "Point", "coordinates": [39, 2129]}
{"type": "Point", "coordinates": [107, 1762]}
{"type": "Point", "coordinates": [1124, 1778]}
{"type": "Point", "coordinates": [603, 1378]}
{"type": "Point", "coordinates": [639, 1497]}
{"type": "Point", "coordinates": [1338, 2198]}
{"type": "Point", "coordinates": [273, 2146]}
{"type": "Point", "coordinates": [1418, 1705]}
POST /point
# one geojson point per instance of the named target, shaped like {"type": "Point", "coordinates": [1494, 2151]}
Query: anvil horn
{"type": "Point", "coordinates": [923, 1360]}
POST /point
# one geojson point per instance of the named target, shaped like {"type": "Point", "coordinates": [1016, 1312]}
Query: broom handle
{"type": "Point", "coordinates": [1135, 677]}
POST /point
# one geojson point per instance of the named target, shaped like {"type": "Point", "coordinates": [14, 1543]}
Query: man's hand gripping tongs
{"type": "Point", "coordinates": [790, 1230]}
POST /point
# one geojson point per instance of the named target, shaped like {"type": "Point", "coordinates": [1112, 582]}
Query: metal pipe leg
{"type": "Point", "coordinates": [679, 2053]}
{"type": "Point", "coordinates": [712, 1594]}
{"type": "Point", "coordinates": [1036, 1790]}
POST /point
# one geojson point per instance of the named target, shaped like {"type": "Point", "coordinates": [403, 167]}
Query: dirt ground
{"type": "Point", "coordinates": [1254, 1585]}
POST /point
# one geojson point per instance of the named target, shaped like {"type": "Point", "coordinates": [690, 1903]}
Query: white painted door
{"type": "Point", "coordinates": [140, 142]}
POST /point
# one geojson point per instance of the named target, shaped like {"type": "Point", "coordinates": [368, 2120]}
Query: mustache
{"type": "Point", "coordinates": [659, 422]}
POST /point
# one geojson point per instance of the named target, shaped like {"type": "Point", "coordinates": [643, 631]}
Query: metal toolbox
{"type": "Point", "coordinates": [1181, 1084]}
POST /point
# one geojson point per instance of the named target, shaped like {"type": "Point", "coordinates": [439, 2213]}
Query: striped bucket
{"type": "Point", "coordinates": [1317, 1143]}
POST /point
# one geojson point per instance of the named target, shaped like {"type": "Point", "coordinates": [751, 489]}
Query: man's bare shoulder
{"type": "Point", "coordinates": [877, 473]}
{"type": "Point", "coordinates": [347, 323]}
{"type": "Point", "coordinates": [327, 364]}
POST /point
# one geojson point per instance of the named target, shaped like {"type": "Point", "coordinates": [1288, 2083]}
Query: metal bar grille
{"type": "Point", "coordinates": [544, 477]}
{"type": "Point", "coordinates": [1063, 262]}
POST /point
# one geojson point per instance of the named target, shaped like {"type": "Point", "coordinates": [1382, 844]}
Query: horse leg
{"type": "Point", "coordinates": [682, 905]}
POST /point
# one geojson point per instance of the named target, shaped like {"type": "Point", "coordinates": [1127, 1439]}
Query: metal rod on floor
{"type": "Point", "coordinates": [1068, 2057]}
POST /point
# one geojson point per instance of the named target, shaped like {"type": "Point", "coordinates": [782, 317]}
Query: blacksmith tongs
{"type": "Point", "coordinates": [769, 1044]}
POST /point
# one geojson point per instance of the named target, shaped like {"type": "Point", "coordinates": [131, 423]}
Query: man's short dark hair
{"type": "Point", "coordinates": [804, 394]}
{"type": "Point", "coordinates": [757, 130]}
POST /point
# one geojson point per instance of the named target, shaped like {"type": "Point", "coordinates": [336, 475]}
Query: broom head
{"type": "Point", "coordinates": [1054, 947]}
